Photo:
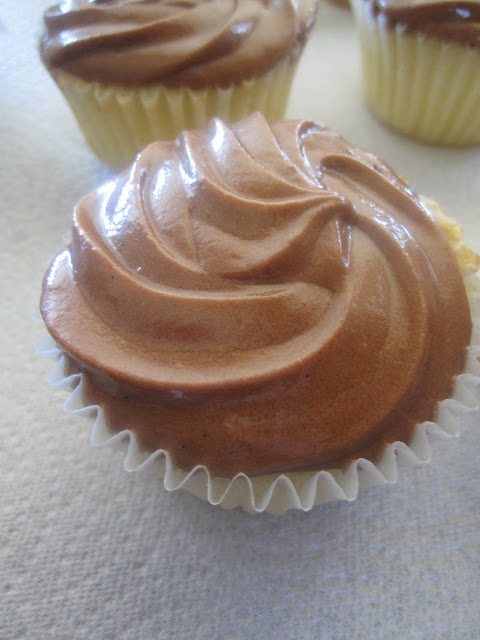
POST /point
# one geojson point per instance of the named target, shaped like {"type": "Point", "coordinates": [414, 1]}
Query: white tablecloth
{"type": "Point", "coordinates": [88, 551]}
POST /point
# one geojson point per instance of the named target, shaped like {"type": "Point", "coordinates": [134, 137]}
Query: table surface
{"type": "Point", "coordinates": [88, 550]}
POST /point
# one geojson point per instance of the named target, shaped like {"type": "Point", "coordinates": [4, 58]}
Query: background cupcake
{"type": "Point", "coordinates": [135, 71]}
{"type": "Point", "coordinates": [421, 67]}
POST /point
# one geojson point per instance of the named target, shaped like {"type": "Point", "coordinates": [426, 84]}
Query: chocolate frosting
{"type": "Point", "coordinates": [195, 43]}
{"type": "Point", "coordinates": [449, 20]}
{"type": "Point", "coordinates": [260, 298]}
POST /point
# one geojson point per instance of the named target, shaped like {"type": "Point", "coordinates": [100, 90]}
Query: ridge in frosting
{"type": "Point", "coordinates": [196, 44]}
{"type": "Point", "coordinates": [259, 298]}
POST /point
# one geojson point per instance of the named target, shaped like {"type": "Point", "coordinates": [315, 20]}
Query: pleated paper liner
{"type": "Point", "coordinates": [118, 122]}
{"type": "Point", "coordinates": [421, 86]}
{"type": "Point", "coordinates": [277, 493]}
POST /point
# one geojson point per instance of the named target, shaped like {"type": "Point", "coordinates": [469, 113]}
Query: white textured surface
{"type": "Point", "coordinates": [88, 551]}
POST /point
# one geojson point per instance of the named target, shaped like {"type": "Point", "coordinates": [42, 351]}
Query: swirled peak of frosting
{"type": "Point", "coordinates": [194, 43]}
{"type": "Point", "coordinates": [450, 20]}
{"type": "Point", "coordinates": [260, 298]}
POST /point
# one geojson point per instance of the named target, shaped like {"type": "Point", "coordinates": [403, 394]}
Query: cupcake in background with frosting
{"type": "Point", "coordinates": [421, 67]}
{"type": "Point", "coordinates": [134, 71]}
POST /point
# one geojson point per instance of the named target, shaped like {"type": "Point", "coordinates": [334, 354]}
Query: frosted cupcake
{"type": "Point", "coordinates": [421, 67]}
{"type": "Point", "coordinates": [260, 302]}
{"type": "Point", "coordinates": [134, 71]}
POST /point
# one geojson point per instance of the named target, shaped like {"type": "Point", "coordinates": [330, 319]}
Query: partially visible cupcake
{"type": "Point", "coordinates": [421, 67]}
{"type": "Point", "coordinates": [134, 71]}
{"type": "Point", "coordinates": [261, 301]}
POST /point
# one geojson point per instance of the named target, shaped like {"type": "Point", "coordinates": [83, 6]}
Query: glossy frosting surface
{"type": "Point", "coordinates": [260, 298]}
{"type": "Point", "coordinates": [450, 20]}
{"type": "Point", "coordinates": [194, 43]}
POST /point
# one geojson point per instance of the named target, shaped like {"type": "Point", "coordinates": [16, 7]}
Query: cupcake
{"type": "Point", "coordinates": [421, 67]}
{"type": "Point", "coordinates": [134, 71]}
{"type": "Point", "coordinates": [263, 303]}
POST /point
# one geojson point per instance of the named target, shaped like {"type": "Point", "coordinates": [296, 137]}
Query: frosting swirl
{"type": "Point", "coordinates": [449, 20]}
{"type": "Point", "coordinates": [260, 298]}
{"type": "Point", "coordinates": [194, 43]}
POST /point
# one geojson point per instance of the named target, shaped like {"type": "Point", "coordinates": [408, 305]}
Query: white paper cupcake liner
{"type": "Point", "coordinates": [118, 122]}
{"type": "Point", "coordinates": [420, 86]}
{"type": "Point", "coordinates": [278, 493]}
